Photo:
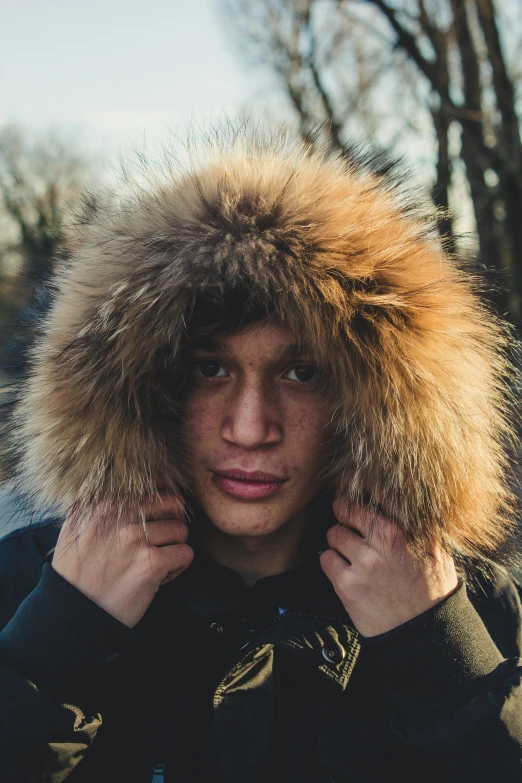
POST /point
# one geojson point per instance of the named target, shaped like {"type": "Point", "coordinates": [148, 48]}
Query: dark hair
{"type": "Point", "coordinates": [217, 314]}
{"type": "Point", "coordinates": [223, 313]}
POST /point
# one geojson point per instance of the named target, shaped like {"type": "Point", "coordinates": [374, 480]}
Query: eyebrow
{"type": "Point", "coordinates": [210, 345]}
{"type": "Point", "coordinates": [297, 349]}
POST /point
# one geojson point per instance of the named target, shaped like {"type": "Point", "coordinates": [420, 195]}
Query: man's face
{"type": "Point", "coordinates": [255, 427]}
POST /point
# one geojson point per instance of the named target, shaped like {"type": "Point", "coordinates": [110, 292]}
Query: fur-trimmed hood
{"type": "Point", "coordinates": [418, 364]}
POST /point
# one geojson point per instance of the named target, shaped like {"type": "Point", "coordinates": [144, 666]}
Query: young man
{"type": "Point", "coordinates": [273, 413]}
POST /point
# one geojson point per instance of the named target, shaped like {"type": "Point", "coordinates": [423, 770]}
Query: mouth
{"type": "Point", "coordinates": [247, 486]}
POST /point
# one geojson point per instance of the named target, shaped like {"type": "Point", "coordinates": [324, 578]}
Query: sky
{"type": "Point", "coordinates": [111, 71]}
{"type": "Point", "coordinates": [110, 75]}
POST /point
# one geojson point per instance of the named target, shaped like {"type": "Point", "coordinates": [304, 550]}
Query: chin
{"type": "Point", "coordinates": [240, 518]}
{"type": "Point", "coordinates": [254, 529]}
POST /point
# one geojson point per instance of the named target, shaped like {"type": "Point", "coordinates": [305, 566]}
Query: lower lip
{"type": "Point", "coordinates": [246, 490]}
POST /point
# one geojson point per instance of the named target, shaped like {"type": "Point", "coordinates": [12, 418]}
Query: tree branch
{"type": "Point", "coordinates": [504, 89]}
{"type": "Point", "coordinates": [334, 126]}
{"type": "Point", "coordinates": [468, 58]}
{"type": "Point", "coordinates": [406, 41]}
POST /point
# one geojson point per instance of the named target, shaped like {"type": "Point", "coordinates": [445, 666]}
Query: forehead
{"type": "Point", "coordinates": [264, 340]}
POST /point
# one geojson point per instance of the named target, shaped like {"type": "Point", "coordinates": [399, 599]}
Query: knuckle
{"type": "Point", "coordinates": [182, 530]}
{"type": "Point", "coordinates": [162, 506]}
{"type": "Point", "coordinates": [327, 558]}
{"type": "Point", "coordinates": [332, 535]}
{"type": "Point", "coordinates": [163, 530]}
{"type": "Point", "coordinates": [189, 552]}
{"type": "Point", "coordinates": [362, 516]}
{"type": "Point", "coordinates": [174, 502]}
{"type": "Point", "coordinates": [341, 509]}
{"type": "Point", "coordinates": [176, 531]}
{"type": "Point", "coordinates": [181, 556]}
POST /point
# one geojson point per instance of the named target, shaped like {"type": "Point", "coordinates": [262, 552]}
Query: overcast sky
{"type": "Point", "coordinates": [112, 70]}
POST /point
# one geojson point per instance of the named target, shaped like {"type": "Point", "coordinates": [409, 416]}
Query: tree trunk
{"type": "Point", "coordinates": [513, 207]}
{"type": "Point", "coordinates": [490, 254]}
{"type": "Point", "coordinates": [441, 188]}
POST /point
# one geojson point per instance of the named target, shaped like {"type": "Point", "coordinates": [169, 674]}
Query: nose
{"type": "Point", "coordinates": [252, 418]}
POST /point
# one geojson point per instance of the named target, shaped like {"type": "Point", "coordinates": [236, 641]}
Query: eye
{"type": "Point", "coordinates": [208, 368]}
{"type": "Point", "coordinates": [303, 373]}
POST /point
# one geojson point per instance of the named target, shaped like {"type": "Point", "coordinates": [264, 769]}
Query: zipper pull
{"type": "Point", "coordinates": [158, 773]}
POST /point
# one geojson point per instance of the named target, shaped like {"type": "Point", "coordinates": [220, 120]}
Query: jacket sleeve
{"type": "Point", "coordinates": [456, 701]}
{"type": "Point", "coordinates": [53, 647]}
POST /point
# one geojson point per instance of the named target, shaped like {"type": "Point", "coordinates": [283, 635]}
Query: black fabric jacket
{"type": "Point", "coordinates": [272, 683]}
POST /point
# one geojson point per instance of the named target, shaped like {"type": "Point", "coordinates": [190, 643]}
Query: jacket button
{"type": "Point", "coordinates": [218, 629]}
{"type": "Point", "coordinates": [334, 653]}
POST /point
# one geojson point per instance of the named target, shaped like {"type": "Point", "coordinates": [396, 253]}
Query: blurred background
{"type": "Point", "coordinates": [436, 82]}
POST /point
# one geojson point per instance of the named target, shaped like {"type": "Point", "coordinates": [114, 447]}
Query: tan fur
{"type": "Point", "coordinates": [416, 363]}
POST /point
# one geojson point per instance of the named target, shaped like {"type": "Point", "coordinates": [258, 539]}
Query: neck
{"type": "Point", "coordinates": [255, 557]}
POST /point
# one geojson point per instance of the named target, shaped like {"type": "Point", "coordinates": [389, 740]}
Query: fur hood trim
{"type": "Point", "coordinates": [417, 362]}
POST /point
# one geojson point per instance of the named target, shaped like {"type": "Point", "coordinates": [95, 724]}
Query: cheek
{"type": "Point", "coordinates": [306, 428]}
{"type": "Point", "coordinates": [306, 438]}
{"type": "Point", "coordinates": [201, 422]}
{"type": "Point", "coordinates": [199, 439]}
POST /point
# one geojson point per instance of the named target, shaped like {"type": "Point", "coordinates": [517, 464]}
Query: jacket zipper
{"type": "Point", "coordinates": [158, 772]}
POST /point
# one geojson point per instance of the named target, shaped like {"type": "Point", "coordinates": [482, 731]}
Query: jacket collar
{"type": "Point", "coordinates": [297, 610]}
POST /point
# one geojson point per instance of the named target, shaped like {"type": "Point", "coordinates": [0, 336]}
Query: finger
{"type": "Point", "coordinates": [109, 516]}
{"type": "Point", "coordinates": [175, 558]}
{"type": "Point", "coordinates": [334, 566]}
{"type": "Point", "coordinates": [160, 480]}
{"type": "Point", "coordinates": [163, 532]}
{"type": "Point", "coordinates": [342, 509]}
{"type": "Point", "coordinates": [347, 542]}
{"type": "Point", "coordinates": [165, 505]}
{"type": "Point", "coordinates": [366, 521]}
{"type": "Point", "coordinates": [359, 518]}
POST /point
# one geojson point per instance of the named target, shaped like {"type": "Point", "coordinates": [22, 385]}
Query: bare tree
{"type": "Point", "coordinates": [39, 181]}
{"type": "Point", "coordinates": [437, 78]}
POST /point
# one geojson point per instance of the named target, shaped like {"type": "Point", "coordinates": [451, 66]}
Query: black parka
{"type": "Point", "coordinates": [272, 683]}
